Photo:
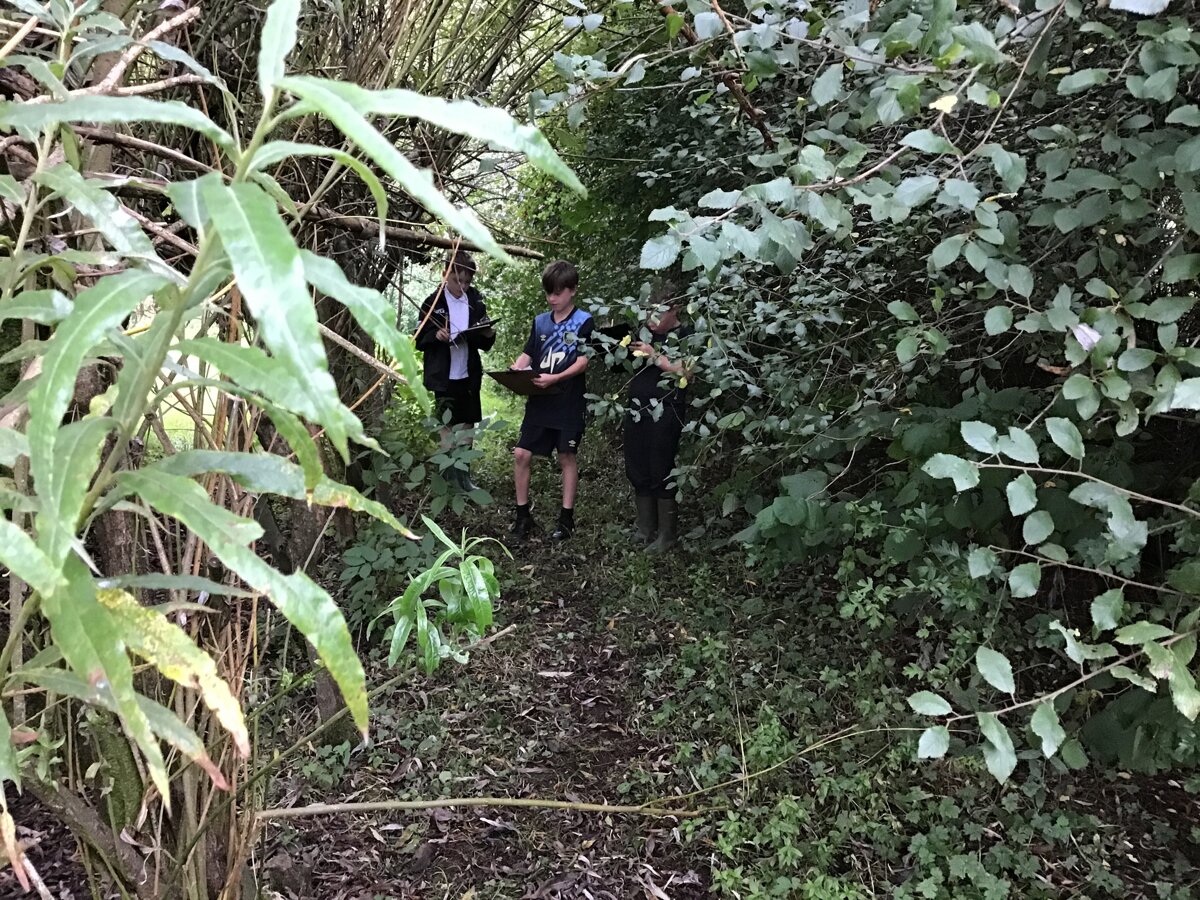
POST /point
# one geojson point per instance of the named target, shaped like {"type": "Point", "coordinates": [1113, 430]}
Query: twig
{"type": "Point", "coordinates": [1068, 473]}
{"type": "Point", "coordinates": [135, 90]}
{"type": "Point", "coordinates": [16, 39]}
{"type": "Point", "coordinates": [1062, 565]}
{"type": "Point", "coordinates": [113, 78]}
{"type": "Point", "coordinates": [360, 353]}
{"type": "Point", "coordinates": [325, 809]}
{"type": "Point", "coordinates": [407, 236]}
{"type": "Point", "coordinates": [42, 890]}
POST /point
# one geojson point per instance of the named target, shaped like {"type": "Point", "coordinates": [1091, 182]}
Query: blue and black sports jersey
{"type": "Point", "coordinates": [554, 347]}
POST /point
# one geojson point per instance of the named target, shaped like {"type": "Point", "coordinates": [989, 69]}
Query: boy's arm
{"type": "Point", "coordinates": [485, 339]}
{"type": "Point", "coordinates": [522, 362]}
{"type": "Point", "coordinates": [525, 360]}
{"type": "Point", "coordinates": [427, 332]}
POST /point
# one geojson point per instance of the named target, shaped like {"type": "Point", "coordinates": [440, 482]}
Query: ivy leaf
{"type": "Point", "coordinates": [997, 320]}
{"type": "Point", "coordinates": [1066, 437]}
{"type": "Point", "coordinates": [1142, 633]}
{"type": "Point", "coordinates": [1107, 609]}
{"type": "Point", "coordinates": [659, 252]}
{"type": "Point", "coordinates": [944, 465]}
{"type": "Point", "coordinates": [1037, 527]}
{"type": "Point", "coordinates": [927, 703]}
{"type": "Point", "coordinates": [1018, 445]}
{"type": "Point", "coordinates": [934, 743]}
{"type": "Point", "coordinates": [1045, 725]}
{"type": "Point", "coordinates": [1022, 494]}
{"type": "Point", "coordinates": [1025, 579]}
{"type": "Point", "coordinates": [996, 669]}
{"type": "Point", "coordinates": [979, 435]}
{"type": "Point", "coordinates": [998, 750]}
{"type": "Point", "coordinates": [981, 562]}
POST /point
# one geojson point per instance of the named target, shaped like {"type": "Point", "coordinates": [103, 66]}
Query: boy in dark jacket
{"type": "Point", "coordinates": [453, 371]}
{"type": "Point", "coordinates": [556, 351]}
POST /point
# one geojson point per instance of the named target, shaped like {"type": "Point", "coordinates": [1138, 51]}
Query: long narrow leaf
{"type": "Point", "coordinates": [416, 182]}
{"type": "Point", "coordinates": [302, 602]}
{"type": "Point", "coordinates": [25, 560]}
{"type": "Point", "coordinates": [278, 39]}
{"type": "Point", "coordinates": [167, 646]}
{"type": "Point", "coordinates": [45, 307]}
{"type": "Point", "coordinates": [91, 643]}
{"type": "Point", "coordinates": [267, 264]}
{"type": "Point", "coordinates": [111, 110]}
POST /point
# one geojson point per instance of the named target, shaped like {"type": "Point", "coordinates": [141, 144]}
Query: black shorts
{"type": "Point", "coordinates": [542, 441]}
{"type": "Point", "coordinates": [460, 401]}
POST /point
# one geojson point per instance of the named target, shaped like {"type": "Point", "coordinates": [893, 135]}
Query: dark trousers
{"type": "Point", "coordinates": [650, 450]}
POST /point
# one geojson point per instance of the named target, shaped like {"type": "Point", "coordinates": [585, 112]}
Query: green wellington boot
{"type": "Point", "coordinates": [668, 522]}
{"type": "Point", "coordinates": [647, 518]}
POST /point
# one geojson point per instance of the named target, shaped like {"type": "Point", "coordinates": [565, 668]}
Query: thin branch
{"type": "Point", "coordinates": [325, 809]}
{"type": "Point", "coordinates": [1084, 475]}
{"type": "Point", "coordinates": [113, 78]}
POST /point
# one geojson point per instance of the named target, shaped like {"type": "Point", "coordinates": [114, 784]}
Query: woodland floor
{"type": "Point", "coordinates": [620, 679]}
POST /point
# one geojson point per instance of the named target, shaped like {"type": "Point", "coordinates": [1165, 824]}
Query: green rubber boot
{"type": "Point", "coordinates": [647, 518]}
{"type": "Point", "coordinates": [668, 523]}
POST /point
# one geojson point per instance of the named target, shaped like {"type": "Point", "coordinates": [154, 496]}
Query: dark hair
{"type": "Point", "coordinates": [461, 261]}
{"type": "Point", "coordinates": [560, 275]}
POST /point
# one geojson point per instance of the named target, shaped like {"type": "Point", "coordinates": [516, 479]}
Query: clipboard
{"type": "Point", "coordinates": [520, 381]}
{"type": "Point", "coordinates": [479, 326]}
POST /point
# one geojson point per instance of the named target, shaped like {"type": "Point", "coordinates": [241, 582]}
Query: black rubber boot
{"type": "Point", "coordinates": [524, 525]}
{"type": "Point", "coordinates": [647, 518]}
{"type": "Point", "coordinates": [566, 525]}
{"type": "Point", "coordinates": [465, 482]}
{"type": "Point", "coordinates": [668, 522]}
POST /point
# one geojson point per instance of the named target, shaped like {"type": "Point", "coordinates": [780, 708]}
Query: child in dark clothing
{"type": "Point", "coordinates": [554, 421]}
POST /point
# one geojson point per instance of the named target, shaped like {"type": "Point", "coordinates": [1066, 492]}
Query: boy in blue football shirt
{"type": "Point", "coordinates": [556, 351]}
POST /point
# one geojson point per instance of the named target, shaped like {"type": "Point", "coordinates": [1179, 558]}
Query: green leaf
{"type": "Point", "coordinates": [97, 309]}
{"type": "Point", "coordinates": [1018, 445]}
{"type": "Point", "coordinates": [1022, 494]}
{"type": "Point", "coordinates": [270, 274]}
{"type": "Point", "coordinates": [1186, 395]}
{"type": "Point", "coordinates": [934, 743]}
{"type": "Point", "coordinates": [1108, 608]}
{"type": "Point", "coordinates": [979, 43]}
{"type": "Point", "coordinates": [998, 751]}
{"type": "Point", "coordinates": [903, 310]}
{"type": "Point", "coordinates": [164, 582]}
{"type": "Point", "coordinates": [927, 703]}
{"type": "Point", "coordinates": [997, 320]}
{"type": "Point", "coordinates": [659, 252]}
{"type": "Point", "coordinates": [1185, 115]}
{"type": "Point", "coordinates": [92, 645]}
{"type": "Point", "coordinates": [13, 446]}
{"type": "Point", "coordinates": [928, 142]}
{"type": "Point", "coordinates": [979, 435]}
{"type": "Point", "coordinates": [278, 40]}
{"type": "Point", "coordinates": [302, 603]}
{"type": "Point", "coordinates": [1187, 156]}
{"type": "Point", "coordinates": [372, 312]}
{"type": "Point", "coordinates": [1073, 755]}
{"type": "Point", "coordinates": [10, 768]}
{"type": "Point", "coordinates": [996, 669]}
{"type": "Point", "coordinates": [164, 644]}
{"type": "Point", "coordinates": [489, 124]}
{"type": "Point", "coordinates": [827, 87]}
{"type": "Point", "coordinates": [1066, 437]}
{"type": "Point", "coordinates": [1045, 725]}
{"type": "Point", "coordinates": [328, 97]}
{"type": "Point", "coordinates": [1025, 579]}
{"type": "Point", "coordinates": [108, 110]}
{"type": "Point", "coordinates": [944, 465]}
{"type": "Point", "coordinates": [1184, 267]}
{"type": "Point", "coordinates": [1136, 359]}
{"type": "Point", "coordinates": [947, 251]}
{"type": "Point", "coordinates": [981, 562]}
{"type": "Point", "coordinates": [1142, 633]}
{"type": "Point", "coordinates": [1037, 527]}
{"type": "Point", "coordinates": [45, 307]}
{"type": "Point", "coordinates": [1020, 279]}
{"type": "Point", "coordinates": [908, 348]}
{"type": "Point", "coordinates": [1081, 81]}
{"type": "Point", "coordinates": [1161, 86]}
{"type": "Point", "coordinates": [916, 190]}
{"type": "Point", "coordinates": [22, 557]}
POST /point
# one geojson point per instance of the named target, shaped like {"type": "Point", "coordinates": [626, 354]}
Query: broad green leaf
{"type": "Point", "coordinates": [827, 87]}
{"type": "Point", "coordinates": [45, 307]}
{"type": "Point", "coordinates": [1018, 445]}
{"type": "Point", "coordinates": [1107, 609]}
{"type": "Point", "coordinates": [998, 750]}
{"type": "Point", "coordinates": [1186, 395]}
{"type": "Point", "coordinates": [1079, 652]}
{"type": "Point", "coordinates": [916, 190]}
{"type": "Point", "coordinates": [1136, 359]}
{"type": "Point", "coordinates": [1037, 527]}
{"type": "Point", "coordinates": [979, 435]}
{"type": "Point", "coordinates": [372, 312]}
{"type": "Point", "coordinates": [159, 641]}
{"type": "Point", "coordinates": [278, 40]}
{"type": "Point", "coordinates": [277, 151]}
{"type": "Point", "coordinates": [10, 189]}
{"type": "Point", "coordinates": [1081, 81]}
{"type": "Point", "coordinates": [934, 743]}
{"type": "Point", "coordinates": [928, 142]}
{"type": "Point", "coordinates": [1142, 633]}
{"type": "Point", "coordinates": [1185, 115]}
{"type": "Point", "coordinates": [1045, 725]}
{"type": "Point", "coordinates": [707, 25]}
{"type": "Point", "coordinates": [270, 274]}
{"type": "Point", "coordinates": [1183, 692]}
{"type": "Point", "coordinates": [1020, 279]}
{"type": "Point", "coordinates": [164, 723]}
{"type": "Point", "coordinates": [944, 465]}
{"type": "Point", "coordinates": [659, 252]}
{"type": "Point", "coordinates": [1185, 267]}
{"type": "Point", "coordinates": [97, 309]}
{"type": "Point", "coordinates": [338, 102]}
{"type": "Point", "coordinates": [1024, 580]}
{"type": "Point", "coordinates": [996, 669]}
{"type": "Point", "coordinates": [1135, 678]}
{"type": "Point", "coordinates": [1073, 755]}
{"type": "Point", "coordinates": [302, 602]}
{"type": "Point", "coordinates": [91, 643]}
{"type": "Point", "coordinates": [903, 310]}
{"type": "Point", "coordinates": [997, 320]}
{"type": "Point", "coordinates": [979, 43]}
{"type": "Point", "coordinates": [22, 557]}
{"type": "Point", "coordinates": [908, 348]}
{"type": "Point", "coordinates": [981, 562]}
{"type": "Point", "coordinates": [1066, 437]}
{"type": "Point", "coordinates": [927, 703]}
{"type": "Point", "coordinates": [109, 110]}
{"type": "Point", "coordinates": [947, 250]}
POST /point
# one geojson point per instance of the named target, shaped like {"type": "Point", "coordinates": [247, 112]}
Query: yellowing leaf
{"type": "Point", "coordinates": [944, 103]}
